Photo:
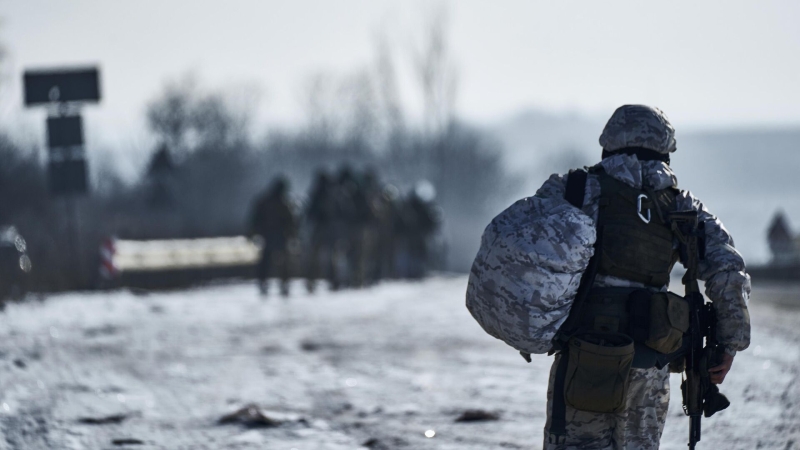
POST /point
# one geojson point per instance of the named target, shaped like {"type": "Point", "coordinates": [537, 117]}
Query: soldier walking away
{"type": "Point", "coordinates": [273, 221]}
{"type": "Point", "coordinates": [319, 216]}
{"type": "Point", "coordinates": [418, 222]}
{"type": "Point", "coordinates": [619, 332]}
{"type": "Point", "coordinates": [364, 227]}
{"type": "Point", "coordinates": [346, 225]}
{"type": "Point", "coordinates": [378, 255]}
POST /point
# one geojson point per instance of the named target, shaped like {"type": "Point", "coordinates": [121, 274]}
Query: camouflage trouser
{"type": "Point", "coordinates": [639, 426]}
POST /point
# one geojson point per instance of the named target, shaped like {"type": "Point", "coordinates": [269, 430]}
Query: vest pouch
{"type": "Point", "coordinates": [669, 320]}
{"type": "Point", "coordinates": [598, 371]}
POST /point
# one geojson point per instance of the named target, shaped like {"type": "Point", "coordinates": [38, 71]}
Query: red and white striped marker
{"type": "Point", "coordinates": [108, 270]}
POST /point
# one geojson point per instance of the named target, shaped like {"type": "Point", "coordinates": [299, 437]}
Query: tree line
{"type": "Point", "coordinates": [209, 165]}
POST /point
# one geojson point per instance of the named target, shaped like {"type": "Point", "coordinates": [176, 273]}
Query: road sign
{"type": "Point", "coordinates": [64, 131]}
{"type": "Point", "coordinates": [64, 85]}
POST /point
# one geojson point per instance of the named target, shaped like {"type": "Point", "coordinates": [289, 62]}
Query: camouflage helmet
{"type": "Point", "coordinates": [638, 126]}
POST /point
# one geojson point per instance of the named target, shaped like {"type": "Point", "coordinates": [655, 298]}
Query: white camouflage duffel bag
{"type": "Point", "coordinates": [528, 269]}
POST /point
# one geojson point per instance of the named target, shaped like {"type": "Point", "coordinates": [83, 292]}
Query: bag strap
{"type": "Point", "coordinates": [576, 187]}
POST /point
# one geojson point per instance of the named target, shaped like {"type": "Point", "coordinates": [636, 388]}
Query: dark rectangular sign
{"type": "Point", "coordinates": [67, 85]}
{"type": "Point", "coordinates": [67, 177]}
{"type": "Point", "coordinates": [64, 131]}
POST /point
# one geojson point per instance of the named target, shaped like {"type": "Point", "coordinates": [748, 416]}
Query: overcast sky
{"type": "Point", "coordinates": [710, 63]}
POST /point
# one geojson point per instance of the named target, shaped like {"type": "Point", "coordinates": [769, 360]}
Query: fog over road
{"type": "Point", "coordinates": [374, 368]}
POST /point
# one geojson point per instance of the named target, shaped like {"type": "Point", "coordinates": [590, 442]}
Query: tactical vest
{"type": "Point", "coordinates": [636, 243]}
{"type": "Point", "coordinates": [612, 329]}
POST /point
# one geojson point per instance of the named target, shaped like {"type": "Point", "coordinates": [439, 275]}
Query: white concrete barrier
{"type": "Point", "coordinates": [176, 254]}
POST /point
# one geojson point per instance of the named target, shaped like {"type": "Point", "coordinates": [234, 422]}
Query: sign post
{"type": "Point", "coordinates": [63, 92]}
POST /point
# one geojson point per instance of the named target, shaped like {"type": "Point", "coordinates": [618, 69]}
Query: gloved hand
{"type": "Point", "coordinates": [717, 373]}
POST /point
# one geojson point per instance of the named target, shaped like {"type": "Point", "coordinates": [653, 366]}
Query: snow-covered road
{"type": "Point", "coordinates": [374, 368]}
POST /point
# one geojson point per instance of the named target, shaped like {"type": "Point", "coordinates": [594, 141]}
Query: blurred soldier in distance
{"type": "Point", "coordinates": [378, 231]}
{"type": "Point", "coordinates": [362, 227]}
{"type": "Point", "coordinates": [273, 220]}
{"type": "Point", "coordinates": [349, 203]}
{"type": "Point", "coordinates": [417, 222]}
{"type": "Point", "coordinates": [319, 215]}
{"type": "Point", "coordinates": [387, 213]}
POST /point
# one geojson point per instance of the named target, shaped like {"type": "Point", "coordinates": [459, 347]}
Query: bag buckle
{"type": "Point", "coordinates": [557, 439]}
{"type": "Point", "coordinates": [639, 208]}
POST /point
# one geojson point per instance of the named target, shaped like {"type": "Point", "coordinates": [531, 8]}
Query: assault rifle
{"type": "Point", "coordinates": [700, 396]}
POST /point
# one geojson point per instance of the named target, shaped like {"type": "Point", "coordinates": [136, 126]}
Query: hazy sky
{"type": "Point", "coordinates": [714, 63]}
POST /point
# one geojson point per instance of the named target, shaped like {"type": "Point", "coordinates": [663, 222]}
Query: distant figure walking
{"type": "Point", "coordinates": [274, 221]}
{"type": "Point", "coordinates": [354, 216]}
{"type": "Point", "coordinates": [417, 223]}
{"type": "Point", "coordinates": [319, 216]}
{"type": "Point", "coordinates": [378, 236]}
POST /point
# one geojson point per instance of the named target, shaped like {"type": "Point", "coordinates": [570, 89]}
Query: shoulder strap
{"type": "Point", "coordinates": [576, 187]}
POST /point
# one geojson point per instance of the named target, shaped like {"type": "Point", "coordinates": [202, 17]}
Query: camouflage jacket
{"type": "Point", "coordinates": [723, 269]}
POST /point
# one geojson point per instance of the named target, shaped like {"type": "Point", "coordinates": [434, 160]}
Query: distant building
{"type": "Point", "coordinates": [784, 244]}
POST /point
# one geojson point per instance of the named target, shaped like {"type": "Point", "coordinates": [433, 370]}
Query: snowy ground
{"type": "Point", "coordinates": [374, 368]}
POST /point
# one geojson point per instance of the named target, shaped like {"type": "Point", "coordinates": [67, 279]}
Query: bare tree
{"type": "Point", "coordinates": [385, 74]}
{"type": "Point", "coordinates": [169, 114]}
{"type": "Point", "coordinates": [437, 74]}
{"type": "Point", "coordinates": [187, 119]}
